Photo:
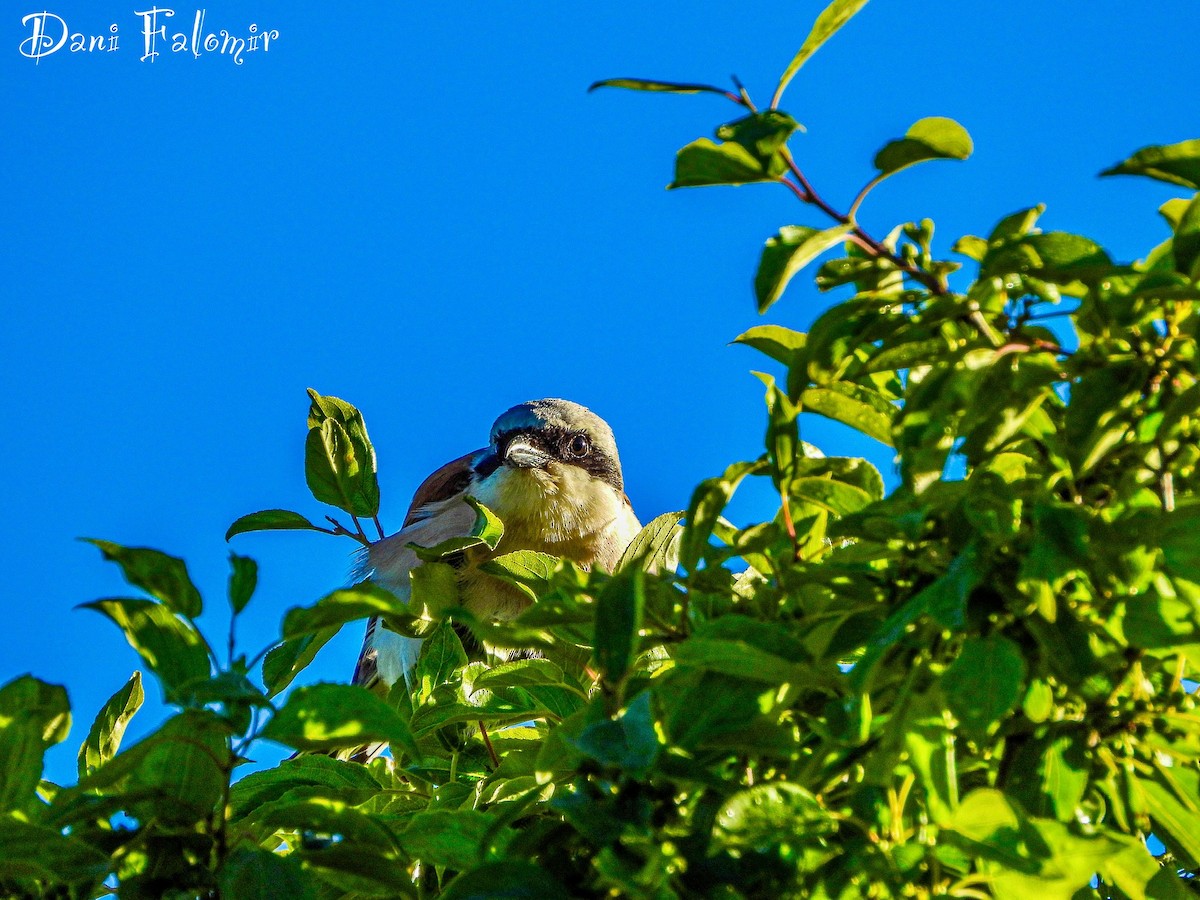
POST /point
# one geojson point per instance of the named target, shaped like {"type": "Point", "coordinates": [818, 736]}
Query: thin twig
{"type": "Point", "coordinates": [487, 742]}
{"type": "Point", "coordinates": [378, 527]}
{"type": "Point", "coordinates": [743, 94]}
{"type": "Point", "coordinates": [934, 283]}
{"type": "Point", "coordinates": [340, 529]}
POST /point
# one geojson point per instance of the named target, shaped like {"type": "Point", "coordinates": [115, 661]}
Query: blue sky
{"type": "Point", "coordinates": [418, 208]}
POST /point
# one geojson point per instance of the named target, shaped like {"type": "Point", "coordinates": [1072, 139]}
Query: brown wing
{"type": "Point", "coordinates": [443, 484]}
{"type": "Point", "coordinates": [450, 479]}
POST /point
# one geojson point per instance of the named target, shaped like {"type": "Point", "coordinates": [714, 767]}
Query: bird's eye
{"type": "Point", "coordinates": [579, 446]}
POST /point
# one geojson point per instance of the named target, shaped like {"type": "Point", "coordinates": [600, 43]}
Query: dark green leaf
{"type": "Point", "coordinates": [832, 18]}
{"type": "Point", "coordinates": [159, 575]}
{"type": "Point", "coordinates": [1172, 163]}
{"type": "Point", "coordinates": [452, 838]}
{"type": "Point", "coordinates": [785, 254]}
{"type": "Point", "coordinates": [173, 649]}
{"type": "Point", "coordinates": [242, 581]}
{"type": "Point", "coordinates": [628, 742]}
{"type": "Point", "coordinates": [46, 854]}
{"type": "Point", "coordinates": [512, 880]}
{"type": "Point", "coordinates": [931, 138]}
{"type": "Point", "coordinates": [984, 683]}
{"type": "Point", "coordinates": [270, 520]}
{"type": "Point", "coordinates": [255, 874]}
{"type": "Point", "coordinates": [290, 658]}
{"type": "Point", "coordinates": [1187, 238]}
{"type": "Point", "coordinates": [104, 738]}
{"type": "Point", "coordinates": [762, 134]}
{"type": "Point", "coordinates": [668, 87]}
{"type": "Point", "coordinates": [336, 716]}
{"type": "Point", "coordinates": [618, 622]}
{"type": "Point", "coordinates": [177, 774]}
{"type": "Point", "coordinates": [33, 716]}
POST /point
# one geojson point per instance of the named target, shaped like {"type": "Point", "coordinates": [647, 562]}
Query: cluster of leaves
{"type": "Point", "coordinates": [976, 685]}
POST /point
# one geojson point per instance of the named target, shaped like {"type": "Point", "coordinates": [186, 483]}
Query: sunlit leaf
{"type": "Point", "coordinates": [159, 575]}
{"type": "Point", "coordinates": [1172, 163]}
{"type": "Point", "coordinates": [104, 738]}
{"type": "Point", "coordinates": [831, 19]}
{"type": "Point", "coordinates": [270, 520]}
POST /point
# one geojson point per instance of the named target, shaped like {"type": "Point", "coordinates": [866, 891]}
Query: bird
{"type": "Point", "coordinates": [552, 475]}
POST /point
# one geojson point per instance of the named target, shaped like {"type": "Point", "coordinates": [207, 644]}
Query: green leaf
{"type": "Point", "coordinates": [779, 343]}
{"type": "Point", "coordinates": [1187, 238]}
{"type": "Point", "coordinates": [256, 874]}
{"type": "Point", "coordinates": [739, 659]}
{"type": "Point", "coordinates": [860, 407]}
{"type": "Point", "coordinates": [173, 649]}
{"type": "Point", "coordinates": [783, 433]}
{"type": "Point", "coordinates": [708, 500]}
{"type": "Point", "coordinates": [668, 87]}
{"type": "Point", "coordinates": [762, 134]}
{"type": "Point", "coordinates": [1016, 224]}
{"type": "Point", "coordinates": [38, 852]}
{"type": "Point", "coordinates": [177, 774]}
{"type": "Point", "coordinates": [159, 575]}
{"type": "Point", "coordinates": [308, 809]}
{"type": "Point", "coordinates": [442, 654]}
{"type": "Point", "coordinates": [760, 815]}
{"type": "Point", "coordinates": [831, 19]}
{"type": "Point", "coordinates": [1172, 163]}
{"type": "Point", "coordinates": [931, 138]}
{"type": "Point", "coordinates": [486, 532]}
{"type": "Point", "coordinates": [336, 473]}
{"type": "Point", "coordinates": [104, 738]}
{"type": "Point", "coordinates": [629, 742]}
{"type": "Point", "coordinates": [34, 715]}
{"type": "Point", "coordinates": [520, 673]}
{"type": "Point", "coordinates": [785, 254]}
{"type": "Point", "coordinates": [1174, 822]}
{"type": "Point", "coordinates": [703, 163]}
{"type": "Point", "coordinates": [619, 611]}
{"type": "Point", "coordinates": [1172, 210]}
{"type": "Point", "coordinates": [336, 777]}
{"type": "Point", "coordinates": [984, 683]}
{"type": "Point", "coordinates": [291, 658]}
{"type": "Point", "coordinates": [1050, 776]}
{"type": "Point", "coordinates": [452, 838]}
{"type": "Point", "coordinates": [338, 716]}
{"type": "Point", "coordinates": [702, 707]}
{"type": "Point", "coordinates": [243, 579]}
{"type": "Point", "coordinates": [362, 601]}
{"type": "Point", "coordinates": [1031, 857]}
{"type": "Point", "coordinates": [527, 569]}
{"type": "Point", "coordinates": [270, 520]}
{"type": "Point", "coordinates": [656, 547]}
{"type": "Point", "coordinates": [512, 880]}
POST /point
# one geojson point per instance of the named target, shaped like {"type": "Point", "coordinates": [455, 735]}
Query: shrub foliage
{"type": "Point", "coordinates": [974, 685]}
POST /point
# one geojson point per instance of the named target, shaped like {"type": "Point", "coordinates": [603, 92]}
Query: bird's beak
{"type": "Point", "coordinates": [522, 454]}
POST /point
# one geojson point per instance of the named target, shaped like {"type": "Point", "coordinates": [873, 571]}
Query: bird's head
{"type": "Point", "coordinates": [552, 464]}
